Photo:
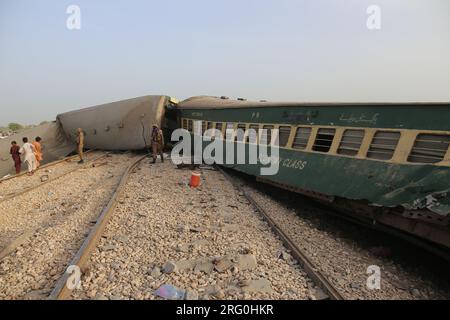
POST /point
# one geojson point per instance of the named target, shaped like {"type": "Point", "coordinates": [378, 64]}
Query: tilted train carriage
{"type": "Point", "coordinates": [122, 125]}
{"type": "Point", "coordinates": [389, 163]}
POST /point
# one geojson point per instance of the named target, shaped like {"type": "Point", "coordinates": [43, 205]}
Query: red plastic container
{"type": "Point", "coordinates": [195, 179]}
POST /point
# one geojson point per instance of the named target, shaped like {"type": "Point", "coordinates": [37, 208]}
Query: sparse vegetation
{"type": "Point", "coordinates": [15, 127]}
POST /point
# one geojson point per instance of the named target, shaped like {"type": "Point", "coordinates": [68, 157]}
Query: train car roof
{"type": "Point", "coordinates": [119, 105]}
{"type": "Point", "coordinates": [208, 102]}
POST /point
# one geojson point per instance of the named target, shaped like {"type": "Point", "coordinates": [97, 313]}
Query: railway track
{"type": "Point", "coordinates": [36, 183]}
{"type": "Point", "coordinates": [318, 277]}
{"type": "Point", "coordinates": [23, 173]}
{"type": "Point", "coordinates": [344, 252]}
{"type": "Point", "coordinates": [62, 289]}
{"type": "Point", "coordinates": [40, 245]}
{"type": "Point", "coordinates": [218, 245]}
{"type": "Point", "coordinates": [151, 225]}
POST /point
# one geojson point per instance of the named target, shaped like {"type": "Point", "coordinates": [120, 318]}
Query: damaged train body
{"type": "Point", "coordinates": [122, 125]}
{"type": "Point", "coordinates": [389, 163]}
{"type": "Point", "coordinates": [383, 163]}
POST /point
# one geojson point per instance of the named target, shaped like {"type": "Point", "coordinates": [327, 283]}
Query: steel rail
{"type": "Point", "coordinates": [53, 179]}
{"type": "Point", "coordinates": [61, 291]}
{"type": "Point", "coordinates": [319, 279]}
{"type": "Point", "coordinates": [50, 164]}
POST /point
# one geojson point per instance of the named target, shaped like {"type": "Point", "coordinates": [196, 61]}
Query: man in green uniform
{"type": "Point", "coordinates": [157, 143]}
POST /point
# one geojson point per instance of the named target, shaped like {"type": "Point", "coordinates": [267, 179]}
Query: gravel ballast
{"type": "Point", "coordinates": [43, 229]}
{"type": "Point", "coordinates": [208, 242]}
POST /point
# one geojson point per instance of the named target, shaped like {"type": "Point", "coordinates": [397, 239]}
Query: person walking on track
{"type": "Point", "coordinates": [28, 152]}
{"type": "Point", "coordinates": [157, 143]}
{"type": "Point", "coordinates": [38, 153]}
{"type": "Point", "coordinates": [15, 153]}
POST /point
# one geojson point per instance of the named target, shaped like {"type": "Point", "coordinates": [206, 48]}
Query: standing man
{"type": "Point", "coordinates": [28, 152]}
{"type": "Point", "coordinates": [157, 143]}
{"type": "Point", "coordinates": [15, 153]}
{"type": "Point", "coordinates": [38, 153]}
{"type": "Point", "coordinates": [80, 144]}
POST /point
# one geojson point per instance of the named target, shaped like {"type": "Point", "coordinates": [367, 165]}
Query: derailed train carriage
{"type": "Point", "coordinates": [122, 125]}
{"type": "Point", "coordinates": [384, 163]}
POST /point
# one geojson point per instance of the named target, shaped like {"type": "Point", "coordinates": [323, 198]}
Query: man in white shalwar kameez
{"type": "Point", "coordinates": [28, 153]}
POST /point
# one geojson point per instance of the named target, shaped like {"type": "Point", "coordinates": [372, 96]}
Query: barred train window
{"type": "Point", "coordinates": [229, 131]}
{"type": "Point", "coordinates": [190, 125]}
{"type": "Point", "coordinates": [253, 134]}
{"type": "Point", "coordinates": [219, 127]}
{"type": "Point", "coordinates": [301, 138]}
{"type": "Point", "coordinates": [430, 148]}
{"type": "Point", "coordinates": [351, 142]}
{"type": "Point", "coordinates": [185, 124]}
{"type": "Point", "coordinates": [284, 133]}
{"type": "Point", "coordinates": [240, 134]}
{"type": "Point", "coordinates": [383, 145]}
{"type": "Point", "coordinates": [208, 125]}
{"type": "Point", "coordinates": [266, 136]}
{"type": "Point", "coordinates": [324, 140]}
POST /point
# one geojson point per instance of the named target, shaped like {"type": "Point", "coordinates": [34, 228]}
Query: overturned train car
{"type": "Point", "coordinates": [122, 125]}
{"type": "Point", "coordinates": [384, 163]}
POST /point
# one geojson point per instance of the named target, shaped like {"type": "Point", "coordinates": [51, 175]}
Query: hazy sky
{"type": "Point", "coordinates": [296, 50]}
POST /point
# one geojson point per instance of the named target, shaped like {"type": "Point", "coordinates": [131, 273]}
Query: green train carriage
{"type": "Point", "coordinates": [389, 163]}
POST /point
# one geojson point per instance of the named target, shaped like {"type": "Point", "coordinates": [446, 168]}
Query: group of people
{"type": "Point", "coordinates": [31, 153]}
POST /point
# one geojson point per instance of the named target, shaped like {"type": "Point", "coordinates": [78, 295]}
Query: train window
{"type": "Point", "coordinates": [324, 140]}
{"type": "Point", "coordinates": [204, 126]}
{"type": "Point", "coordinates": [190, 125]}
{"type": "Point", "coordinates": [266, 136]}
{"type": "Point", "coordinates": [209, 126]}
{"type": "Point", "coordinates": [301, 138]}
{"type": "Point", "coordinates": [430, 148]}
{"type": "Point", "coordinates": [351, 142]}
{"type": "Point", "coordinates": [229, 133]}
{"type": "Point", "coordinates": [240, 133]}
{"type": "Point", "coordinates": [383, 145]}
{"type": "Point", "coordinates": [252, 136]}
{"type": "Point", "coordinates": [284, 132]}
{"type": "Point", "coordinates": [219, 127]}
